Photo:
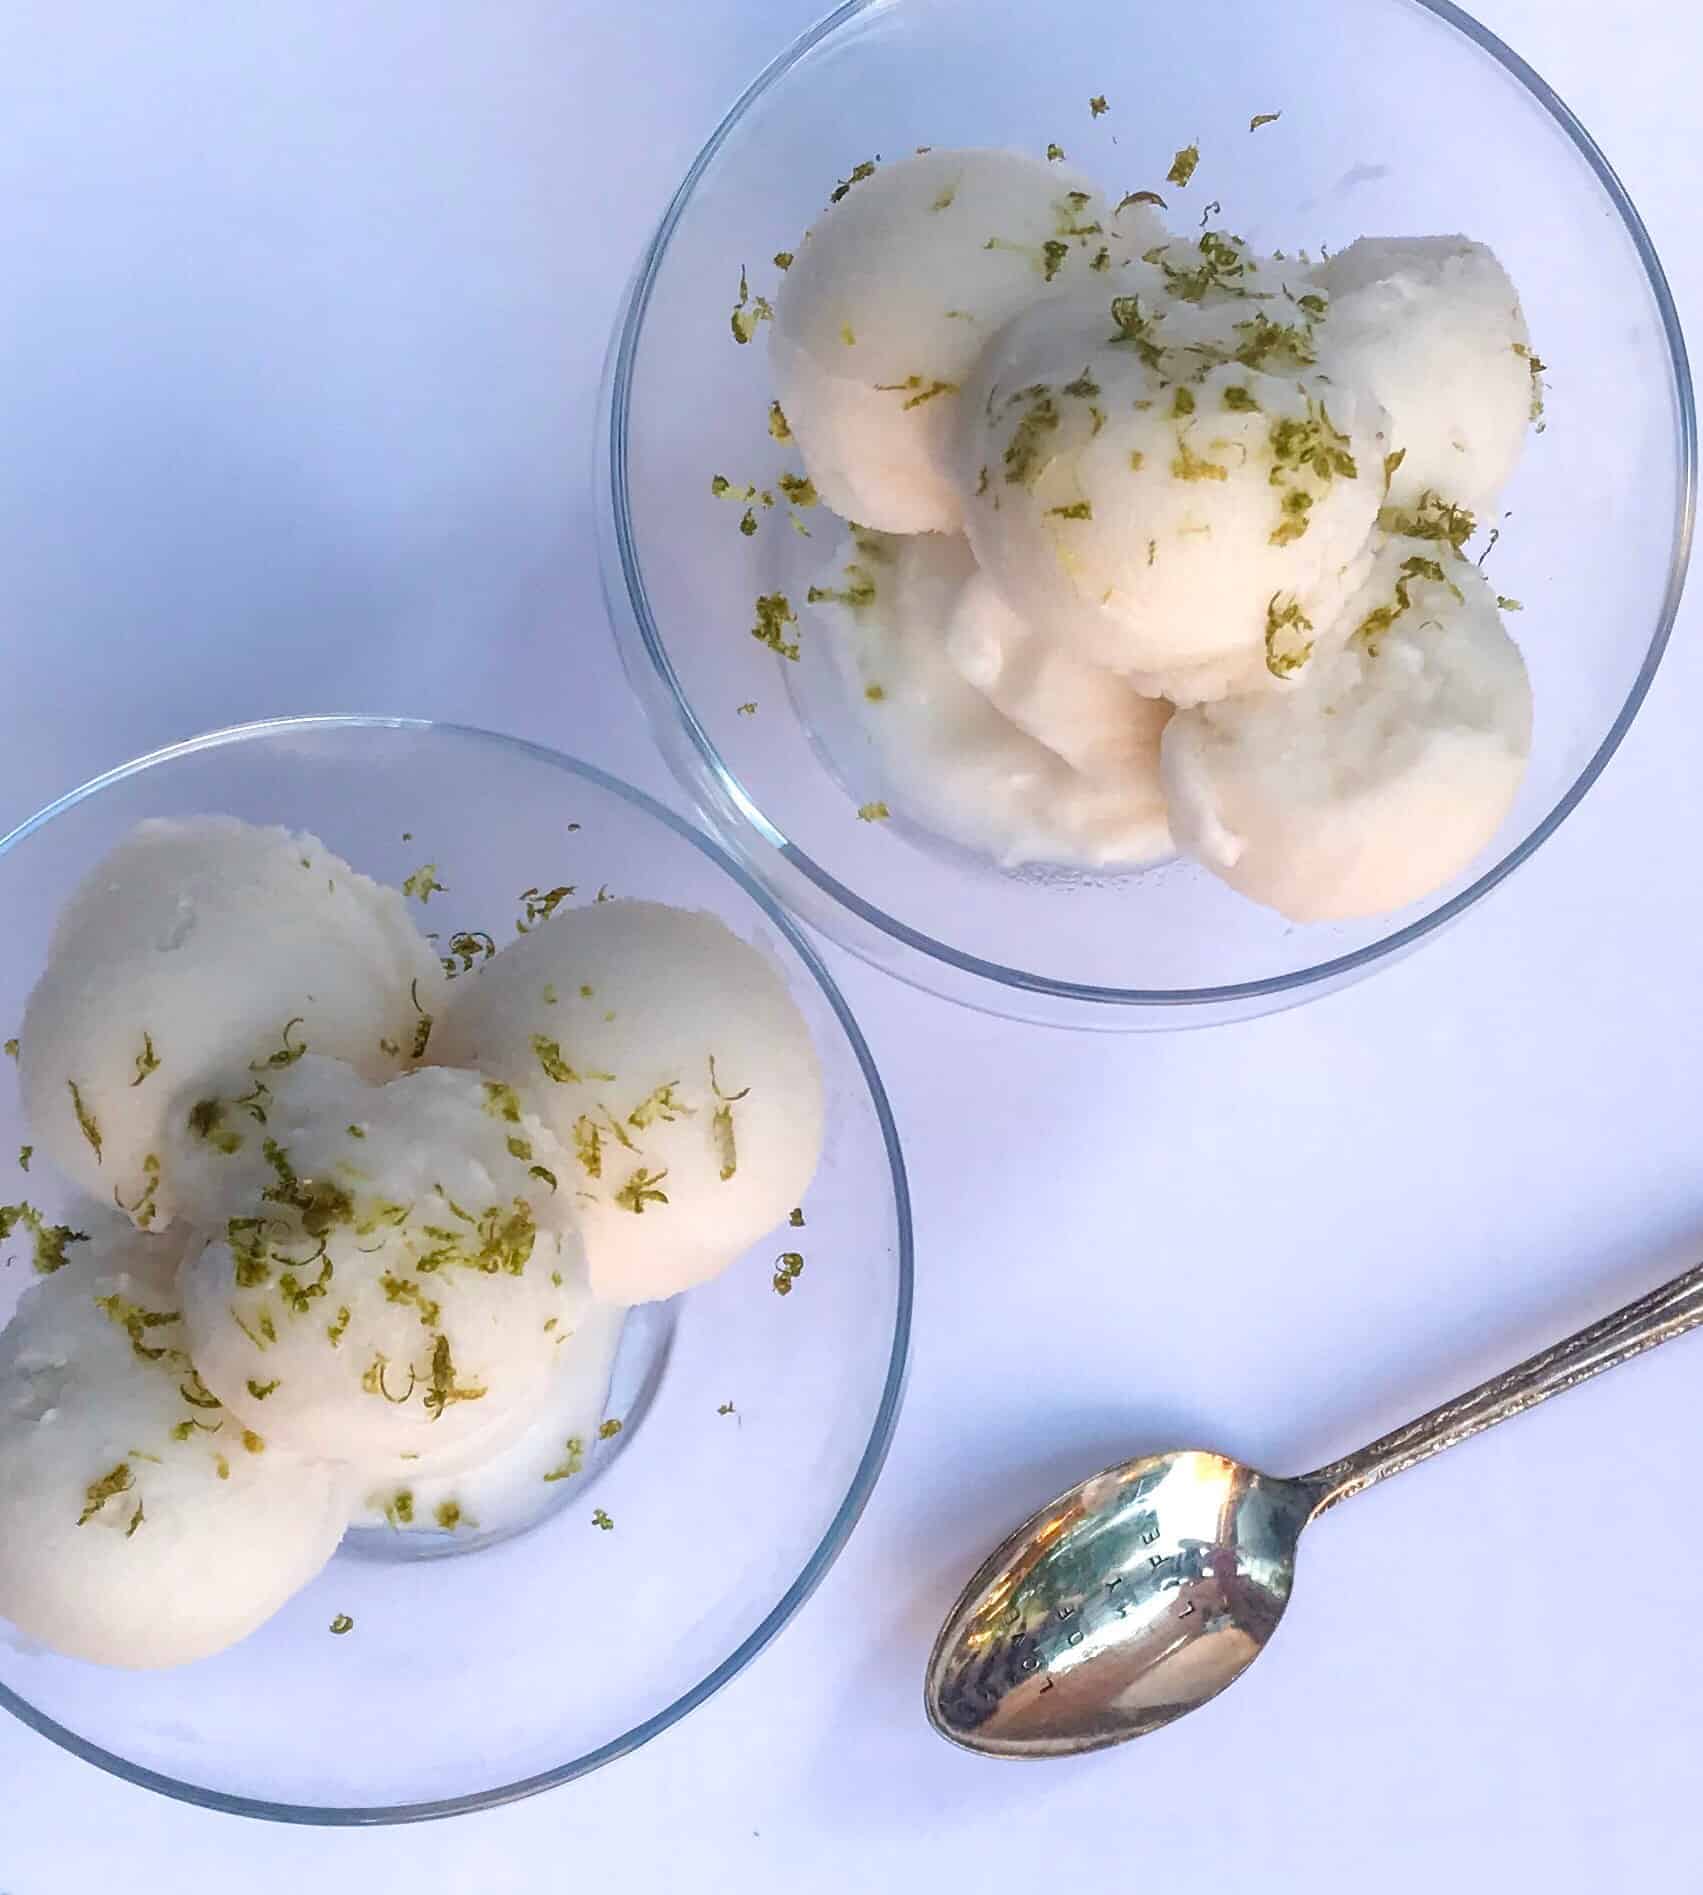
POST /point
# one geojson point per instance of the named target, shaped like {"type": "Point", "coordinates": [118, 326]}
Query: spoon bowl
{"type": "Point", "coordinates": [1143, 1592]}
{"type": "Point", "coordinates": [1129, 1600]}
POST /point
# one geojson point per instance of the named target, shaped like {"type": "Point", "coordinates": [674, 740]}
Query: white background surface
{"type": "Point", "coordinates": [303, 313]}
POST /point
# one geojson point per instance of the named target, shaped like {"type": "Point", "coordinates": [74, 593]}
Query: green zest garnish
{"type": "Point", "coordinates": [721, 1123]}
{"type": "Point", "coordinates": [1286, 651]}
{"type": "Point", "coordinates": [194, 1391]}
{"type": "Point", "coordinates": [1372, 627]}
{"type": "Point", "coordinates": [260, 1390]}
{"type": "Point", "coordinates": [143, 1211]}
{"type": "Point", "coordinates": [860, 591]}
{"type": "Point", "coordinates": [779, 426]}
{"type": "Point", "coordinates": [423, 884]}
{"type": "Point", "coordinates": [85, 1119]}
{"type": "Point", "coordinates": [108, 1487]}
{"type": "Point", "coordinates": [407, 1290]}
{"type": "Point", "coordinates": [1273, 346]}
{"type": "Point", "coordinates": [917, 392]}
{"type": "Point", "coordinates": [1077, 510]}
{"type": "Point", "coordinates": [1023, 452]}
{"type": "Point", "coordinates": [25, 1153]}
{"type": "Point", "coordinates": [601, 1520]}
{"type": "Point", "coordinates": [299, 1297]}
{"type": "Point", "coordinates": [747, 313]}
{"type": "Point", "coordinates": [608, 1430]}
{"type": "Point", "coordinates": [789, 1266]}
{"type": "Point", "coordinates": [1303, 447]}
{"type": "Point", "coordinates": [1263, 118]}
{"type": "Point", "coordinates": [1055, 154]}
{"type": "Point", "coordinates": [859, 173]}
{"type": "Point", "coordinates": [341, 1624]}
{"type": "Point", "coordinates": [539, 905]}
{"type": "Point", "coordinates": [502, 1102]}
{"type": "Point", "coordinates": [574, 1462]}
{"type": "Point", "coordinates": [774, 613]}
{"type": "Point", "coordinates": [548, 1053]}
{"type": "Point", "coordinates": [588, 1146]}
{"type": "Point", "coordinates": [873, 812]}
{"type": "Point", "coordinates": [1135, 329]}
{"type": "Point", "coordinates": [1097, 105]}
{"type": "Point", "coordinates": [444, 1389]}
{"type": "Point", "coordinates": [136, 1322]}
{"type": "Point", "coordinates": [206, 1122]}
{"type": "Point", "coordinates": [465, 948]}
{"type": "Point", "coordinates": [422, 1025]}
{"type": "Point", "coordinates": [1433, 519]}
{"type": "Point", "coordinates": [1187, 465]}
{"type": "Point", "coordinates": [286, 1055]}
{"type": "Point", "coordinates": [1182, 166]}
{"type": "Point", "coordinates": [661, 1104]}
{"type": "Point", "coordinates": [147, 1061]}
{"type": "Point", "coordinates": [640, 1190]}
{"type": "Point", "coordinates": [50, 1239]}
{"type": "Point", "coordinates": [1538, 368]}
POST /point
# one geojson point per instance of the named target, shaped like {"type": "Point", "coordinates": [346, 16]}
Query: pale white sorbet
{"type": "Point", "coordinates": [391, 1264]}
{"type": "Point", "coordinates": [927, 646]}
{"type": "Point", "coordinates": [1097, 722]}
{"type": "Point", "coordinates": [1149, 478]}
{"type": "Point", "coordinates": [523, 1481]}
{"type": "Point", "coordinates": [893, 293]}
{"type": "Point", "coordinates": [140, 1523]}
{"type": "Point", "coordinates": [1385, 773]}
{"type": "Point", "coordinates": [196, 946]}
{"type": "Point", "coordinates": [669, 1060]}
{"type": "Point", "coordinates": [1431, 327]}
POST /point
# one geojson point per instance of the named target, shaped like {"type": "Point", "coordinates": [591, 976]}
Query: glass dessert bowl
{"type": "Point", "coordinates": [771, 747]}
{"type": "Point", "coordinates": [427, 1672]}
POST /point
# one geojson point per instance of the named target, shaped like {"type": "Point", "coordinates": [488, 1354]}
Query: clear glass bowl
{"type": "Point", "coordinates": [474, 1680]}
{"type": "Point", "coordinates": [1374, 95]}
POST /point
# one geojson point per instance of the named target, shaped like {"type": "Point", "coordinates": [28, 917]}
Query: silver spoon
{"type": "Point", "coordinates": [1144, 1591]}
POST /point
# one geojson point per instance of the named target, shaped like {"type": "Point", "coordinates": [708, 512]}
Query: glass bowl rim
{"type": "Point", "coordinates": [1087, 996]}
{"type": "Point", "coordinates": [875, 1450]}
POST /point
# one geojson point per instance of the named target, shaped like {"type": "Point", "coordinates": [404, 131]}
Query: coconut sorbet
{"type": "Point", "coordinates": [379, 1218]}
{"type": "Point", "coordinates": [1155, 541]}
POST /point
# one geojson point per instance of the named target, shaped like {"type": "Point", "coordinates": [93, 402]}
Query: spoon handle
{"type": "Point", "coordinates": [1658, 1317]}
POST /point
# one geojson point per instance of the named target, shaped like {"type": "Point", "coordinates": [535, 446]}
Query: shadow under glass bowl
{"type": "Point", "coordinates": [1398, 117]}
{"type": "Point", "coordinates": [476, 1680]}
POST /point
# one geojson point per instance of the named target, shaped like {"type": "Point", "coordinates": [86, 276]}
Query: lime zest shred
{"type": "Point", "coordinates": [1183, 166]}
{"type": "Point", "coordinates": [147, 1061]}
{"type": "Point", "coordinates": [118, 1481]}
{"type": "Point", "coordinates": [86, 1122]}
{"type": "Point", "coordinates": [642, 1189]}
